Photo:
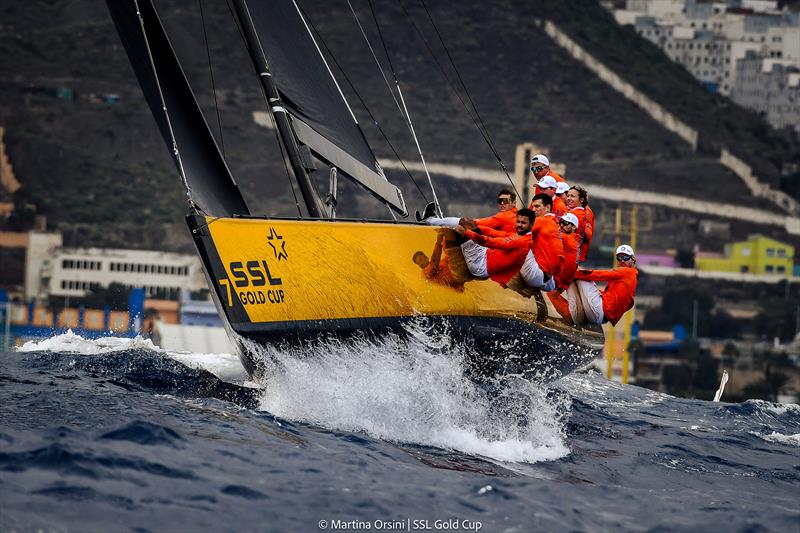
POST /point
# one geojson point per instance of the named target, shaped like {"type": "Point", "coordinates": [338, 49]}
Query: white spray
{"type": "Point", "coordinates": [411, 390]}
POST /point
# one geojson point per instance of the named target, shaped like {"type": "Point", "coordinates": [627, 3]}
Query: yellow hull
{"type": "Point", "coordinates": [277, 279]}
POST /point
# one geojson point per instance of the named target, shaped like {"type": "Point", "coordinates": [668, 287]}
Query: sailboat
{"type": "Point", "coordinates": [282, 281]}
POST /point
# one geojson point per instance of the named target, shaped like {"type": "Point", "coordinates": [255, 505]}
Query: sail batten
{"type": "Point", "coordinates": [321, 116]}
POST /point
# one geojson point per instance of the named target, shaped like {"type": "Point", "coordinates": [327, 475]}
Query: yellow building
{"type": "Point", "coordinates": [756, 255]}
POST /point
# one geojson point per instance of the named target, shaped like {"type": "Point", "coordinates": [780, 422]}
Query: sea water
{"type": "Point", "coordinates": [117, 434]}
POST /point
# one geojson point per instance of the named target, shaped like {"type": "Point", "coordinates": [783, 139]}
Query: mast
{"type": "Point", "coordinates": [279, 114]}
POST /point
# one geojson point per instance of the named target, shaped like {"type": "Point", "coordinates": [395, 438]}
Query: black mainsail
{"type": "Point", "coordinates": [320, 115]}
{"type": "Point", "coordinates": [209, 183]}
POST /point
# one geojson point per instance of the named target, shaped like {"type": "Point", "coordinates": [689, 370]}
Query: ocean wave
{"type": "Point", "coordinates": [413, 390]}
{"type": "Point", "coordinates": [780, 438]}
{"type": "Point", "coordinates": [223, 365]}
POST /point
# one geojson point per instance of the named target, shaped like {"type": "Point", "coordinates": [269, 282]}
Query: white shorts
{"type": "Point", "coordinates": [475, 256]}
{"type": "Point", "coordinates": [534, 276]}
{"type": "Point", "coordinates": [447, 222]}
{"type": "Point", "coordinates": [585, 302]}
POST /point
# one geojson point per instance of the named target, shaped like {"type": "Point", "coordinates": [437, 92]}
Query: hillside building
{"type": "Point", "coordinates": [51, 270]}
{"type": "Point", "coordinates": [756, 255]}
{"type": "Point", "coordinates": [771, 87]}
{"type": "Point", "coordinates": [710, 39]}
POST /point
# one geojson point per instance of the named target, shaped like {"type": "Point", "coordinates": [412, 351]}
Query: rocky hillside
{"type": "Point", "coordinates": [101, 173]}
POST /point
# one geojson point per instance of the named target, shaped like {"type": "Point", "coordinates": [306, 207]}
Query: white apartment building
{"type": "Point", "coordinates": [710, 38]}
{"type": "Point", "coordinates": [71, 272]}
{"type": "Point", "coordinates": [771, 87]}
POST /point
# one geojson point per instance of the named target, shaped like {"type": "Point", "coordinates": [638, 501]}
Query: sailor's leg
{"type": "Point", "coordinates": [592, 301]}
{"type": "Point", "coordinates": [531, 272]}
{"type": "Point", "coordinates": [475, 255]}
{"type": "Point", "coordinates": [447, 222]}
{"type": "Point", "coordinates": [575, 304]}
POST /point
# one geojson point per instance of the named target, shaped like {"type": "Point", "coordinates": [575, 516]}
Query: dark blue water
{"type": "Point", "coordinates": [116, 435]}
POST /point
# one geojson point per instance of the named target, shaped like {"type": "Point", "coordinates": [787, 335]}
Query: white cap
{"type": "Point", "coordinates": [572, 219]}
{"type": "Point", "coordinates": [547, 182]}
{"type": "Point", "coordinates": [540, 158]}
{"type": "Point", "coordinates": [624, 249]}
{"type": "Point", "coordinates": [562, 187]}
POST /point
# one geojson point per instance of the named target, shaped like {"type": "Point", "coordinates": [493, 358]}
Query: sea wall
{"type": "Point", "coordinates": [745, 172]}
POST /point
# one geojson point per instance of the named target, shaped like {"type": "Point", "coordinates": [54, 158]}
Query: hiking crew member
{"type": "Point", "coordinates": [506, 218]}
{"type": "Point", "coordinates": [561, 190]}
{"type": "Point", "coordinates": [498, 258]}
{"type": "Point", "coordinates": [589, 232]}
{"type": "Point", "coordinates": [540, 167]}
{"type": "Point", "coordinates": [577, 201]}
{"type": "Point", "coordinates": [546, 245]}
{"type": "Point", "coordinates": [568, 225]}
{"type": "Point", "coordinates": [586, 303]}
{"type": "Point", "coordinates": [549, 186]}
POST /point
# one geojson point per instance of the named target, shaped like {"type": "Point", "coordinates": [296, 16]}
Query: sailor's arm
{"type": "Point", "coordinates": [600, 275]}
{"type": "Point", "coordinates": [491, 222]}
{"type": "Point", "coordinates": [491, 232]}
{"type": "Point", "coordinates": [498, 243]}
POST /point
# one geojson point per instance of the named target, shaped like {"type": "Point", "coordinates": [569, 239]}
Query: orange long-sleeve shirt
{"type": "Point", "coordinates": [490, 232]}
{"type": "Point", "coordinates": [504, 256]}
{"type": "Point", "coordinates": [546, 244]}
{"type": "Point", "coordinates": [502, 220]}
{"type": "Point", "coordinates": [618, 294]}
{"type": "Point", "coordinates": [588, 233]}
{"type": "Point", "coordinates": [584, 232]}
{"type": "Point", "coordinates": [559, 207]}
{"type": "Point", "coordinates": [570, 265]}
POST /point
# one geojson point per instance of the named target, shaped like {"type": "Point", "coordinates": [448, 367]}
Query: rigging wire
{"type": "Point", "coordinates": [482, 128]}
{"type": "Point", "coordinates": [211, 72]}
{"type": "Point", "coordinates": [364, 105]}
{"type": "Point", "coordinates": [375, 57]}
{"type": "Point", "coordinates": [405, 108]}
{"type": "Point", "coordinates": [284, 156]}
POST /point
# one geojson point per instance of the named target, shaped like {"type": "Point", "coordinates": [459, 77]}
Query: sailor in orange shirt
{"type": "Point", "coordinates": [506, 218]}
{"type": "Point", "coordinates": [498, 258]}
{"type": "Point", "coordinates": [547, 251]}
{"type": "Point", "coordinates": [549, 186]}
{"type": "Point", "coordinates": [587, 303]}
{"type": "Point", "coordinates": [589, 233]}
{"type": "Point", "coordinates": [540, 167]}
{"type": "Point", "coordinates": [577, 201]}
{"type": "Point", "coordinates": [561, 190]}
{"type": "Point", "coordinates": [568, 225]}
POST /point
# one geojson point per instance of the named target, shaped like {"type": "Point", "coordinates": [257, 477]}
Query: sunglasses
{"type": "Point", "coordinates": [538, 168]}
{"type": "Point", "coordinates": [624, 257]}
{"type": "Point", "coordinates": [504, 201]}
{"type": "Point", "coordinates": [565, 223]}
